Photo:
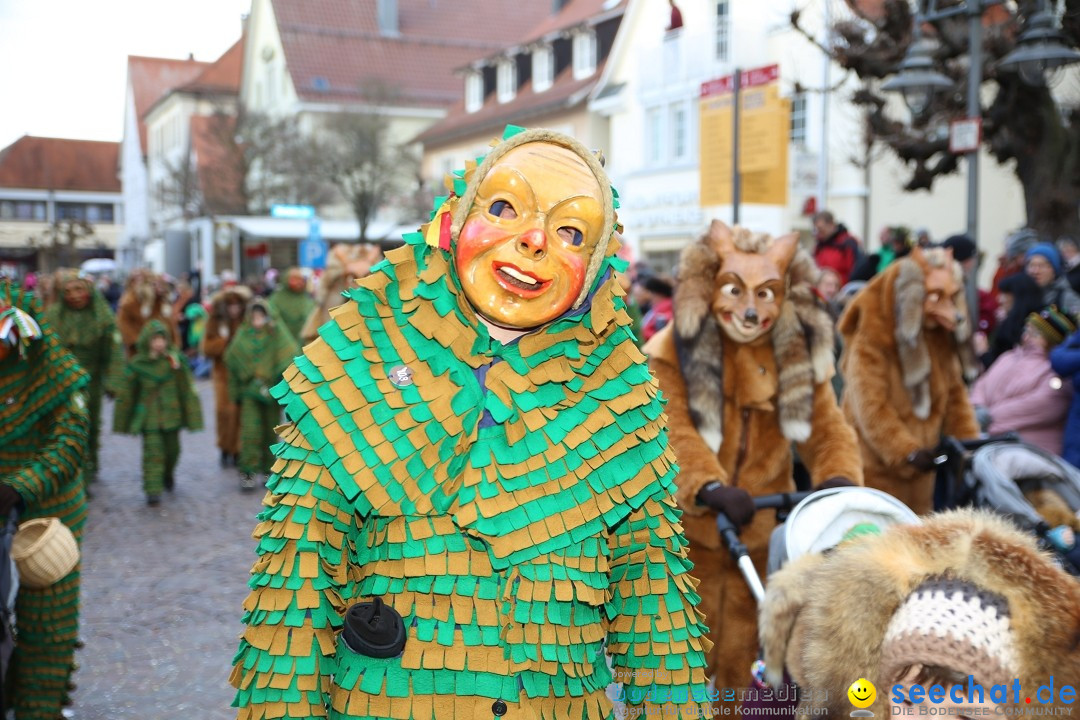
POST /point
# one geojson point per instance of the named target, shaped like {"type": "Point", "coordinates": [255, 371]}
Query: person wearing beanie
{"type": "Point", "coordinates": [1021, 392]}
{"type": "Point", "coordinates": [1043, 264]}
{"type": "Point", "coordinates": [661, 308]}
{"type": "Point", "coordinates": [963, 593]}
{"type": "Point", "coordinates": [1065, 360]}
{"type": "Point", "coordinates": [1011, 261]}
{"type": "Point", "coordinates": [1069, 247]}
{"type": "Point", "coordinates": [471, 512]}
{"type": "Point", "coordinates": [292, 303]}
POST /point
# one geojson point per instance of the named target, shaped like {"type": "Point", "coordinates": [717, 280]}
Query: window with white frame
{"type": "Point", "coordinates": [723, 30]}
{"type": "Point", "coordinates": [654, 137]}
{"type": "Point", "coordinates": [679, 132]}
{"type": "Point", "coordinates": [543, 68]}
{"type": "Point", "coordinates": [474, 91]}
{"type": "Point", "coordinates": [584, 54]}
{"type": "Point", "coordinates": [506, 80]}
{"type": "Point", "coordinates": [798, 118]}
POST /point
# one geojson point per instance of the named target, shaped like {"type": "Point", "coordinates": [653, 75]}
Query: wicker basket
{"type": "Point", "coordinates": [44, 551]}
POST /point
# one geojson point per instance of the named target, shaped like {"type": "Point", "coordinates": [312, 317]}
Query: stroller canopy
{"type": "Point", "coordinates": [825, 518]}
{"type": "Point", "coordinates": [1001, 470]}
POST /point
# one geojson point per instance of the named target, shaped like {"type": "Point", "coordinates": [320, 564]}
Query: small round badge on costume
{"type": "Point", "coordinates": [374, 629]}
{"type": "Point", "coordinates": [401, 376]}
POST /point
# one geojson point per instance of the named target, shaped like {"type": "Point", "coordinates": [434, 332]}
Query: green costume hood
{"type": "Point", "coordinates": [85, 326]}
{"type": "Point", "coordinates": [34, 384]}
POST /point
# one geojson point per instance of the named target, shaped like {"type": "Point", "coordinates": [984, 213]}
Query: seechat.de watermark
{"type": "Point", "coordinates": [1009, 699]}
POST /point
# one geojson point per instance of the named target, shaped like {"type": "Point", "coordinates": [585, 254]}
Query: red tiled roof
{"type": "Point", "coordinates": [60, 164]}
{"type": "Point", "coordinates": [333, 47]}
{"type": "Point", "coordinates": [218, 164]}
{"type": "Point", "coordinates": [565, 93]}
{"type": "Point", "coordinates": [223, 75]}
{"type": "Point", "coordinates": [573, 14]}
{"type": "Point", "coordinates": [152, 78]}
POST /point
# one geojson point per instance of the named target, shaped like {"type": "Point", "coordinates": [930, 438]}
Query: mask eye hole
{"type": "Point", "coordinates": [730, 290]}
{"type": "Point", "coordinates": [934, 297]}
{"type": "Point", "coordinates": [502, 210]}
{"type": "Point", "coordinates": [766, 295]}
{"type": "Point", "coordinates": [571, 236]}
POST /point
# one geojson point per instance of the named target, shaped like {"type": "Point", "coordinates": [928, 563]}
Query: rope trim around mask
{"type": "Point", "coordinates": [461, 212]}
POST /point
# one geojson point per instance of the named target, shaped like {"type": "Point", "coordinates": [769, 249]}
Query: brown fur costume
{"type": "Point", "coordinates": [733, 411]}
{"type": "Point", "coordinates": [142, 302]}
{"type": "Point", "coordinates": [827, 644]}
{"type": "Point", "coordinates": [344, 265]}
{"type": "Point", "coordinates": [904, 384]}
{"type": "Point", "coordinates": [220, 330]}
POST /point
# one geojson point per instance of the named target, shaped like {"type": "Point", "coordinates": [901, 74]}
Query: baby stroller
{"type": "Point", "coordinates": [9, 590]}
{"type": "Point", "coordinates": [1037, 490]}
{"type": "Point", "coordinates": [811, 522]}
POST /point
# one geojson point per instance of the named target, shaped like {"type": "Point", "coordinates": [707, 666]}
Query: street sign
{"type": "Point", "coordinates": [965, 135]}
{"type": "Point", "coordinates": [293, 212]}
{"type": "Point", "coordinates": [750, 79]}
{"type": "Point", "coordinates": [313, 247]}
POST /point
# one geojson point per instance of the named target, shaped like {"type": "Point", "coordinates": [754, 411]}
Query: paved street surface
{"type": "Point", "coordinates": [163, 586]}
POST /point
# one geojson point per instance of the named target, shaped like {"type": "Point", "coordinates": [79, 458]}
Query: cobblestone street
{"type": "Point", "coordinates": [163, 586]}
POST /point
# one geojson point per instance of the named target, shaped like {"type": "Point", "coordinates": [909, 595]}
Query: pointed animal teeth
{"type": "Point", "coordinates": [518, 275]}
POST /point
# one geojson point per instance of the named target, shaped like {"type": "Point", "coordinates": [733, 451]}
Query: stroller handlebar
{"type": "Point", "coordinates": [781, 501]}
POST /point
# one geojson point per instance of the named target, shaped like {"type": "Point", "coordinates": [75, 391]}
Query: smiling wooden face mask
{"type": "Point", "coordinates": [523, 252]}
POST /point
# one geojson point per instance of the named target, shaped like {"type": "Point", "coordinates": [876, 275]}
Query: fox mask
{"type": "Point", "coordinates": [752, 281]}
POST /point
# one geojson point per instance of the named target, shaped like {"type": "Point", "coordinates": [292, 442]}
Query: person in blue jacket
{"type": "Point", "coordinates": [1065, 360]}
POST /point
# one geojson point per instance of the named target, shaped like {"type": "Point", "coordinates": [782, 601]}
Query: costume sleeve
{"type": "Point", "coordinates": [960, 419]}
{"type": "Point", "coordinates": [113, 350]}
{"type": "Point", "coordinates": [127, 391]}
{"type": "Point", "coordinates": [657, 638]}
{"type": "Point", "coordinates": [832, 449]}
{"type": "Point", "coordinates": [698, 464]}
{"type": "Point", "coordinates": [1065, 358]}
{"type": "Point", "coordinates": [877, 420]}
{"type": "Point", "coordinates": [213, 342]}
{"type": "Point", "coordinates": [299, 586]}
{"type": "Point", "coordinates": [189, 397]}
{"type": "Point", "coordinates": [60, 454]}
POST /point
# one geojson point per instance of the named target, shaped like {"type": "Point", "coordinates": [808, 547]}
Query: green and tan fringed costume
{"type": "Point", "coordinates": [90, 333]}
{"type": "Point", "coordinates": [156, 398]}
{"type": "Point", "coordinates": [292, 307]}
{"type": "Point", "coordinates": [256, 358]}
{"type": "Point", "coordinates": [513, 503]}
{"type": "Point", "coordinates": [43, 434]}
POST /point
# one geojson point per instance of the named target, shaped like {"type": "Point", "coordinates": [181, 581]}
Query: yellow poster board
{"type": "Point", "coordinates": [763, 147]}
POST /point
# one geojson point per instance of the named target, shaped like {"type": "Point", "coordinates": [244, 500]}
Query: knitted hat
{"type": "Point", "coordinates": [955, 624]}
{"type": "Point", "coordinates": [1052, 324]}
{"type": "Point", "coordinates": [1020, 242]}
{"type": "Point", "coordinates": [1047, 251]}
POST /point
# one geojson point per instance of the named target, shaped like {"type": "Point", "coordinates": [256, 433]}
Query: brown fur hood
{"type": "Point", "coordinates": [825, 616]}
{"type": "Point", "coordinates": [220, 299]}
{"type": "Point", "coordinates": [803, 338]}
{"type": "Point", "coordinates": [891, 307]}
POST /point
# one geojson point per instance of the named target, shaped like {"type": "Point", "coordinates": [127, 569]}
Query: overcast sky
{"type": "Point", "coordinates": [63, 63]}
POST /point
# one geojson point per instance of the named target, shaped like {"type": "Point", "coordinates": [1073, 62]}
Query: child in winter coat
{"type": "Point", "coordinates": [156, 399]}
{"type": "Point", "coordinates": [255, 359]}
{"type": "Point", "coordinates": [1021, 392]}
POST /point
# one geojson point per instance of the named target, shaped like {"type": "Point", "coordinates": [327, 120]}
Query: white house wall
{"type": "Point", "coordinates": [661, 209]}
{"type": "Point", "coordinates": [133, 179]}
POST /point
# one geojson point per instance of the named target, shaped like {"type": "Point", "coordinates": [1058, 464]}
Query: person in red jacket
{"type": "Point", "coordinates": [836, 247]}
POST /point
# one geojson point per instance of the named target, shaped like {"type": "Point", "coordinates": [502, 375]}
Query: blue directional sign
{"type": "Point", "coordinates": [313, 247]}
{"type": "Point", "coordinates": [293, 212]}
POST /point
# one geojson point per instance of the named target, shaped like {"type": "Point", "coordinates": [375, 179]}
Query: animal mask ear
{"type": "Point", "coordinates": [782, 251]}
{"type": "Point", "coordinates": [721, 238]}
{"type": "Point", "coordinates": [919, 257]}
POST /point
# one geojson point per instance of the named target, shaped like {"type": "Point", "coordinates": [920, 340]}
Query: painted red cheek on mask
{"type": "Point", "coordinates": [477, 237]}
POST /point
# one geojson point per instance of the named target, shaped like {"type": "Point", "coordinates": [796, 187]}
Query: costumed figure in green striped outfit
{"type": "Point", "coordinates": [87, 327]}
{"type": "Point", "coordinates": [472, 507]}
{"type": "Point", "coordinates": [292, 302]}
{"type": "Point", "coordinates": [156, 398]}
{"type": "Point", "coordinates": [255, 359]}
{"type": "Point", "coordinates": [43, 434]}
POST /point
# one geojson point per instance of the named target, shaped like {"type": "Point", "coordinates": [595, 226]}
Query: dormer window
{"type": "Point", "coordinates": [543, 68]}
{"type": "Point", "coordinates": [506, 80]}
{"type": "Point", "coordinates": [474, 91]}
{"type": "Point", "coordinates": [584, 54]}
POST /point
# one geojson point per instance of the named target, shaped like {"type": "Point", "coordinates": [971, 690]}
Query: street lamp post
{"type": "Point", "coordinates": [1039, 47]}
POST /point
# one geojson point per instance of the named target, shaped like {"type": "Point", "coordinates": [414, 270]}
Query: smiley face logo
{"type": "Point", "coordinates": [862, 693]}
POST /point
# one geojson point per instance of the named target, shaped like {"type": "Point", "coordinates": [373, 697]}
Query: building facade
{"type": "Point", "coordinates": [60, 203]}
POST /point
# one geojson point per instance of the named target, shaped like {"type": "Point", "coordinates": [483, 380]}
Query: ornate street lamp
{"type": "Point", "coordinates": [1040, 48]}
{"type": "Point", "coordinates": [916, 79]}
